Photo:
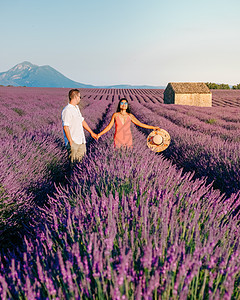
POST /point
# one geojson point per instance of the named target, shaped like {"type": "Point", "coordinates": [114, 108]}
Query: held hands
{"type": "Point", "coordinates": [94, 135]}
{"type": "Point", "coordinates": [98, 136]}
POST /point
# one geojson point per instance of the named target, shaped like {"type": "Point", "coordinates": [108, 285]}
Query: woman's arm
{"type": "Point", "coordinates": [138, 123]}
{"type": "Point", "coordinates": [108, 127]}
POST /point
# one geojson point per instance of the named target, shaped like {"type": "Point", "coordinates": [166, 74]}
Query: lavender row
{"type": "Point", "coordinates": [225, 120]}
{"type": "Point", "coordinates": [41, 116]}
{"type": "Point", "coordinates": [226, 98]}
{"type": "Point", "coordinates": [30, 135]}
{"type": "Point", "coordinates": [130, 226]}
{"type": "Point", "coordinates": [206, 155]}
{"type": "Point", "coordinates": [31, 161]}
{"type": "Point", "coordinates": [210, 121]}
{"type": "Point", "coordinates": [27, 109]}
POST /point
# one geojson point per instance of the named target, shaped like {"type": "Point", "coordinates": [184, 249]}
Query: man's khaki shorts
{"type": "Point", "coordinates": [76, 152]}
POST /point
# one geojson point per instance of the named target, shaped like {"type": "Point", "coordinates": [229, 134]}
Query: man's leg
{"type": "Point", "coordinates": [81, 151]}
{"type": "Point", "coordinates": [77, 152]}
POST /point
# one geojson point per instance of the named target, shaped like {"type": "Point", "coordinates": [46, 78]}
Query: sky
{"type": "Point", "coordinates": [137, 42]}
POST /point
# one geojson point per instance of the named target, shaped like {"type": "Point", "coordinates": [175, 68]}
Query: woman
{"type": "Point", "coordinates": [122, 119]}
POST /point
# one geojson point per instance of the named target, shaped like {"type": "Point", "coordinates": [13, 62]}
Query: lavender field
{"type": "Point", "coordinates": [125, 224]}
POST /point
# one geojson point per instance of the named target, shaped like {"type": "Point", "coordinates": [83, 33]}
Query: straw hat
{"type": "Point", "coordinates": [158, 140]}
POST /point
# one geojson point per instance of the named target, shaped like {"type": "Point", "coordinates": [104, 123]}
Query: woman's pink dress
{"type": "Point", "coordinates": [123, 134]}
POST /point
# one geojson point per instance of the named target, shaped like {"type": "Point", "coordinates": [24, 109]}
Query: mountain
{"type": "Point", "coordinates": [28, 74]}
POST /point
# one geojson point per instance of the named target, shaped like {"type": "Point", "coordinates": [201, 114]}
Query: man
{"type": "Point", "coordinates": [73, 124]}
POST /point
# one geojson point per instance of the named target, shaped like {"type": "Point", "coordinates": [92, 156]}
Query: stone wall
{"type": "Point", "coordinates": [203, 100]}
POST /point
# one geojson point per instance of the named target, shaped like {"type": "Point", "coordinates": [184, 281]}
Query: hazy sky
{"type": "Point", "coordinates": [105, 42]}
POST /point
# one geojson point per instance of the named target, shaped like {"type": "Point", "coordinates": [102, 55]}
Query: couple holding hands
{"type": "Point", "coordinates": [73, 124]}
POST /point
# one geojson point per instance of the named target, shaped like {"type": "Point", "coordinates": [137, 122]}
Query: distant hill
{"type": "Point", "coordinates": [28, 74]}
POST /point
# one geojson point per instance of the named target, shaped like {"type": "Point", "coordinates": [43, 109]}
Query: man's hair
{"type": "Point", "coordinates": [72, 93]}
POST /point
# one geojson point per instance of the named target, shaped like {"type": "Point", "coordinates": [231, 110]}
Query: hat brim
{"type": "Point", "coordinates": [166, 139]}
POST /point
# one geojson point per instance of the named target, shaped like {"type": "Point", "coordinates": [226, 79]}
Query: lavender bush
{"type": "Point", "coordinates": [207, 154]}
{"type": "Point", "coordinates": [33, 159]}
{"type": "Point", "coordinates": [128, 224]}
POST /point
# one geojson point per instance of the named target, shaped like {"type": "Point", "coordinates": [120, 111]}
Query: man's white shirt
{"type": "Point", "coordinates": [72, 117]}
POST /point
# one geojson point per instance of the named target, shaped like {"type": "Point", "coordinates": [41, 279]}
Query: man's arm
{"type": "Point", "coordinates": [85, 126]}
{"type": "Point", "coordinates": [68, 135]}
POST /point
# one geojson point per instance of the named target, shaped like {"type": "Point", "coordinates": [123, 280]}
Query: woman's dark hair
{"type": "Point", "coordinates": [118, 107]}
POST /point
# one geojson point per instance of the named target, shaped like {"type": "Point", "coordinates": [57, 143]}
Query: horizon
{"type": "Point", "coordinates": [111, 86]}
{"type": "Point", "coordinates": [131, 43]}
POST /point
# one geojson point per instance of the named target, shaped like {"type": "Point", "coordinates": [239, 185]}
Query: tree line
{"type": "Point", "coordinates": [222, 86]}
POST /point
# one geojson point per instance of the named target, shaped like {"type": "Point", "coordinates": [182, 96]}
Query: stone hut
{"type": "Point", "coordinates": [188, 93]}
